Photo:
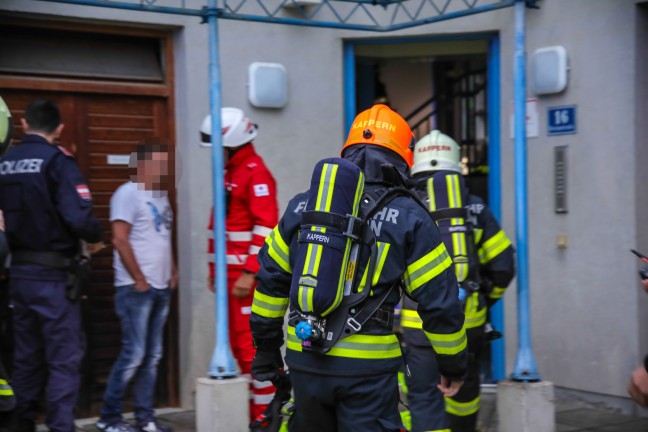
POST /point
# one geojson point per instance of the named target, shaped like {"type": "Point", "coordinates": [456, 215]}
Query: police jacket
{"type": "Point", "coordinates": [411, 256]}
{"type": "Point", "coordinates": [495, 266]}
{"type": "Point", "coordinates": [251, 210]}
{"type": "Point", "coordinates": [46, 202]}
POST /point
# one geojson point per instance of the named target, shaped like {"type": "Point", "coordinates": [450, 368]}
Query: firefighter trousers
{"type": "Point", "coordinates": [326, 403]}
{"type": "Point", "coordinates": [429, 410]}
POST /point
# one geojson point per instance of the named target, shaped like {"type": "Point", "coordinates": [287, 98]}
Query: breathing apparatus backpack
{"type": "Point", "coordinates": [446, 197]}
{"type": "Point", "coordinates": [337, 250]}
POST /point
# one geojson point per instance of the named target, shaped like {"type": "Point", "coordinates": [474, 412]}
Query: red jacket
{"type": "Point", "coordinates": [252, 210]}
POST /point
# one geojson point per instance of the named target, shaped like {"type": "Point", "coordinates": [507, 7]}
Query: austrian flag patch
{"type": "Point", "coordinates": [84, 192]}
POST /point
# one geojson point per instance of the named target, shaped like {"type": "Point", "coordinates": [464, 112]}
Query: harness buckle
{"type": "Point", "coordinates": [353, 228]}
{"type": "Point", "coordinates": [355, 325]}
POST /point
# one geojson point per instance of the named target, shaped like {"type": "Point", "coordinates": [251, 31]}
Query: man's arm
{"type": "Point", "coordinates": [496, 256]}
{"type": "Point", "coordinates": [262, 194]}
{"type": "Point", "coordinates": [73, 199]}
{"type": "Point", "coordinates": [120, 241]}
{"type": "Point", "coordinates": [430, 281]}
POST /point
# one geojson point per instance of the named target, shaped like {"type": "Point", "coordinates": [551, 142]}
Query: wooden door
{"type": "Point", "coordinates": [102, 130]}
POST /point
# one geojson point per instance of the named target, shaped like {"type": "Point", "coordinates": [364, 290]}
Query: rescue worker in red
{"type": "Point", "coordinates": [252, 213]}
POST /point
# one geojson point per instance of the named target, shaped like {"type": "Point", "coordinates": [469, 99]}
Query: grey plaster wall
{"type": "Point", "coordinates": [585, 299]}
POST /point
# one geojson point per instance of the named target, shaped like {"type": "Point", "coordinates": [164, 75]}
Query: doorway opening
{"type": "Point", "coordinates": [449, 83]}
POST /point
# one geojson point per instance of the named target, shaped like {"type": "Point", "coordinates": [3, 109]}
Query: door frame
{"type": "Point", "coordinates": [498, 347]}
{"type": "Point", "coordinates": [165, 90]}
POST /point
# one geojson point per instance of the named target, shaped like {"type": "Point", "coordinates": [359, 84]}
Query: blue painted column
{"type": "Point", "coordinates": [349, 88]}
{"type": "Point", "coordinates": [498, 348]}
{"type": "Point", "coordinates": [222, 363]}
{"type": "Point", "coordinates": [525, 365]}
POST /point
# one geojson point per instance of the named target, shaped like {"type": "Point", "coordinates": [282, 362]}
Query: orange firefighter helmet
{"type": "Point", "coordinates": [381, 126]}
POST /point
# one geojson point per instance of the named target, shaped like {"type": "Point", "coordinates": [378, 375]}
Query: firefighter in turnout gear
{"type": "Point", "coordinates": [484, 266]}
{"type": "Point", "coordinates": [252, 212]}
{"type": "Point", "coordinates": [352, 385]}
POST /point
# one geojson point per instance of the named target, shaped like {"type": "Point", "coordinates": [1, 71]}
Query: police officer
{"type": "Point", "coordinates": [484, 266]}
{"type": "Point", "coordinates": [48, 210]}
{"type": "Point", "coordinates": [353, 387]}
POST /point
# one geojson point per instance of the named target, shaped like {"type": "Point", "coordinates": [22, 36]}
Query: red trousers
{"type": "Point", "coordinates": [261, 393]}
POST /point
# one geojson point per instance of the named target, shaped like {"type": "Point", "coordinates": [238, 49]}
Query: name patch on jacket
{"type": "Point", "coordinates": [22, 166]}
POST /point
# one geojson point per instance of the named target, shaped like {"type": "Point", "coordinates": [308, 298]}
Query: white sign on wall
{"type": "Point", "coordinates": [532, 119]}
{"type": "Point", "coordinates": [117, 159]}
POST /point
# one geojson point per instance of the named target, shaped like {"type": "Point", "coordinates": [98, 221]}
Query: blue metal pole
{"type": "Point", "coordinates": [525, 365]}
{"type": "Point", "coordinates": [222, 363]}
{"type": "Point", "coordinates": [349, 87]}
{"type": "Point", "coordinates": [498, 348]}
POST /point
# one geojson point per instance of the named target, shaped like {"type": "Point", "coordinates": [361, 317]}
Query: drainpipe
{"type": "Point", "coordinates": [525, 365]}
{"type": "Point", "coordinates": [222, 363]}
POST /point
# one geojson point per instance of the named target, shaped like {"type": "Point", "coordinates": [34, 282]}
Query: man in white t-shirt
{"type": "Point", "coordinates": [145, 274]}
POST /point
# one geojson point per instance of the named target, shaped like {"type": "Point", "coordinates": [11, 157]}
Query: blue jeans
{"type": "Point", "coordinates": [142, 315]}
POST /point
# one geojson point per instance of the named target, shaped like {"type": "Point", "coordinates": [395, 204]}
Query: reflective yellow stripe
{"type": "Point", "coordinates": [462, 409]}
{"type": "Point", "coordinates": [427, 268]}
{"type": "Point", "coordinates": [497, 293]}
{"type": "Point", "coordinates": [411, 319]}
{"type": "Point", "coordinates": [448, 344]}
{"type": "Point", "coordinates": [5, 388]}
{"type": "Point", "coordinates": [356, 346]}
{"type": "Point", "coordinates": [493, 247]}
{"type": "Point", "coordinates": [383, 251]}
{"type": "Point", "coordinates": [278, 249]}
{"type": "Point", "coordinates": [347, 271]}
{"type": "Point", "coordinates": [454, 196]}
{"type": "Point", "coordinates": [269, 307]}
{"type": "Point", "coordinates": [325, 191]}
{"type": "Point", "coordinates": [430, 188]}
{"type": "Point", "coordinates": [479, 232]}
{"type": "Point", "coordinates": [475, 317]}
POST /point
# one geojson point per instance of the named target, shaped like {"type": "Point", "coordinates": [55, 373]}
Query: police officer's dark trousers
{"type": "Point", "coordinates": [48, 337]}
{"type": "Point", "coordinates": [326, 403]}
{"type": "Point", "coordinates": [430, 411]}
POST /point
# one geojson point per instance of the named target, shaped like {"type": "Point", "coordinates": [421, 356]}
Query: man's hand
{"type": "Point", "coordinates": [173, 282]}
{"type": "Point", "coordinates": [141, 285]}
{"type": "Point", "coordinates": [449, 389]}
{"type": "Point", "coordinates": [243, 285]}
{"type": "Point", "coordinates": [211, 284]}
{"type": "Point", "coordinates": [644, 282]}
{"type": "Point", "coordinates": [267, 365]}
{"type": "Point", "coordinates": [638, 386]}
{"type": "Point", "coordinates": [93, 248]}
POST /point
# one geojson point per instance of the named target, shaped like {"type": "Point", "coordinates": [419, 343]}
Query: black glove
{"type": "Point", "coordinates": [267, 364]}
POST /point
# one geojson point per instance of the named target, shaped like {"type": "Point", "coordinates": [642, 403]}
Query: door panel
{"type": "Point", "coordinates": [97, 126]}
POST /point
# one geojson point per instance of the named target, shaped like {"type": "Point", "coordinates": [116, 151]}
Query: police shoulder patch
{"type": "Point", "coordinates": [84, 192]}
{"type": "Point", "coordinates": [65, 151]}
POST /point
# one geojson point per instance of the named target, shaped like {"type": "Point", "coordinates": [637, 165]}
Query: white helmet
{"type": "Point", "coordinates": [237, 129]}
{"type": "Point", "coordinates": [436, 152]}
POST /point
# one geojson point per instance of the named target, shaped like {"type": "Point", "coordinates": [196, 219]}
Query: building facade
{"type": "Point", "coordinates": [589, 315]}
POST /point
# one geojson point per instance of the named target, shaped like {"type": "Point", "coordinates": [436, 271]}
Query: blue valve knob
{"type": "Point", "coordinates": [303, 330]}
{"type": "Point", "coordinates": [462, 294]}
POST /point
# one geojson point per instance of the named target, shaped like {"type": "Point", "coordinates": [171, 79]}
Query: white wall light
{"type": "Point", "coordinates": [267, 85]}
{"type": "Point", "coordinates": [549, 68]}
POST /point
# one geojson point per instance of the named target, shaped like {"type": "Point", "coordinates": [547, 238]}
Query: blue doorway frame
{"type": "Point", "coordinates": [498, 348]}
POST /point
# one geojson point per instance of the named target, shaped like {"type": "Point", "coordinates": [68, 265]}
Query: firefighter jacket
{"type": "Point", "coordinates": [251, 210]}
{"type": "Point", "coordinates": [496, 266]}
{"type": "Point", "coordinates": [411, 256]}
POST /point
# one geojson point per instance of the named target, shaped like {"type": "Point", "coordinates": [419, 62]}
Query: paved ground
{"type": "Point", "coordinates": [570, 417]}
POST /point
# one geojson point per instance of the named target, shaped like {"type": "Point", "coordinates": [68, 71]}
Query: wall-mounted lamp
{"type": "Point", "coordinates": [549, 68]}
{"type": "Point", "coordinates": [267, 85]}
